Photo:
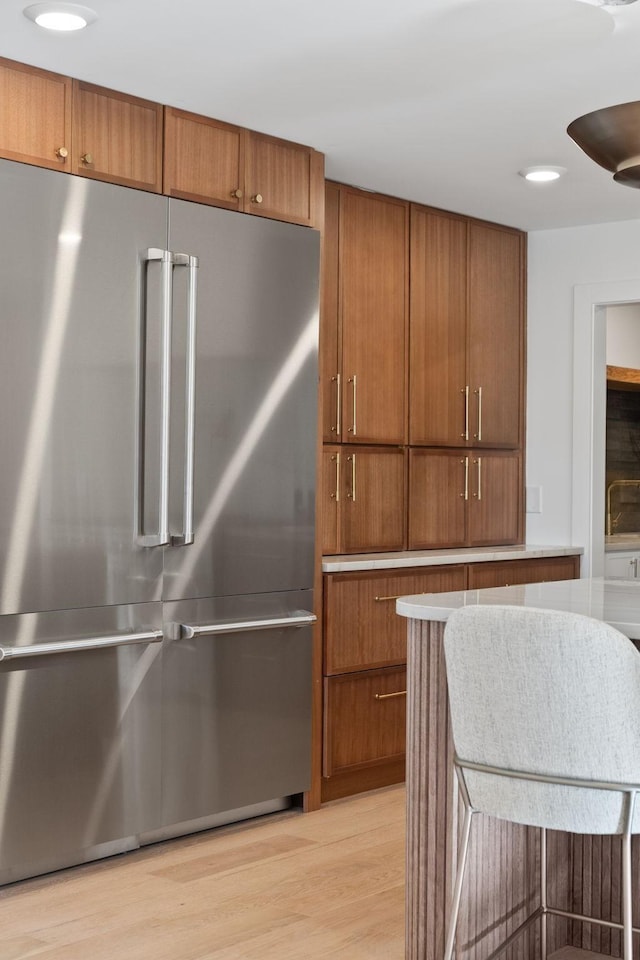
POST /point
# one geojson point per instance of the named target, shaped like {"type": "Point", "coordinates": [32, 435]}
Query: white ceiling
{"type": "Point", "coordinates": [438, 101]}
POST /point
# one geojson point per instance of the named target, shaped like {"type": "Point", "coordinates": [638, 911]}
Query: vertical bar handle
{"type": "Point", "coordinates": [478, 393]}
{"type": "Point", "coordinates": [478, 463]}
{"type": "Point", "coordinates": [338, 382]}
{"type": "Point", "coordinates": [354, 382]}
{"type": "Point", "coordinates": [352, 495]}
{"type": "Point", "coordinates": [465, 390]}
{"type": "Point", "coordinates": [166, 262]}
{"type": "Point", "coordinates": [336, 459]}
{"type": "Point", "coordinates": [185, 260]}
{"type": "Point", "coordinates": [465, 495]}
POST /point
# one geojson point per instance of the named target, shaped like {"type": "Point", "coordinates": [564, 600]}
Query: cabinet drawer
{"type": "Point", "coordinates": [365, 719]}
{"type": "Point", "coordinates": [504, 574]}
{"type": "Point", "coordinates": [362, 629]}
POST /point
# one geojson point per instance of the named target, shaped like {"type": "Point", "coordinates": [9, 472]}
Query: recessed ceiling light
{"type": "Point", "coordinates": [62, 17]}
{"type": "Point", "coordinates": [542, 174]}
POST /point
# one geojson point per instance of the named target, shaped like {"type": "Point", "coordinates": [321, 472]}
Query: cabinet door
{"type": "Point", "coordinates": [372, 507]}
{"type": "Point", "coordinates": [438, 498]}
{"type": "Point", "coordinates": [331, 490]}
{"type": "Point", "coordinates": [438, 398]}
{"type": "Point", "coordinates": [495, 505]}
{"type": "Point", "coordinates": [35, 115]}
{"type": "Point", "coordinates": [505, 574]}
{"type": "Point", "coordinates": [496, 328]}
{"type": "Point", "coordinates": [373, 284]}
{"type": "Point", "coordinates": [203, 160]}
{"type": "Point", "coordinates": [365, 719]}
{"type": "Point", "coordinates": [116, 137]}
{"type": "Point", "coordinates": [330, 377]}
{"type": "Point", "coordinates": [284, 180]}
{"type": "Point", "coordinates": [362, 629]}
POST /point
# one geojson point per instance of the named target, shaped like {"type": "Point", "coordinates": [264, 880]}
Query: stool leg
{"type": "Point", "coordinates": [543, 893]}
{"type": "Point", "coordinates": [457, 892]}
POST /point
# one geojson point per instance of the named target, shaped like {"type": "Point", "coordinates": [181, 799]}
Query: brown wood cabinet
{"type": "Point", "coordinates": [466, 332]}
{"type": "Point", "coordinates": [464, 498]}
{"type": "Point", "coordinates": [35, 115]}
{"type": "Point", "coordinates": [499, 573]}
{"type": "Point", "coordinates": [364, 506]}
{"type": "Point", "coordinates": [364, 362]}
{"type": "Point", "coordinates": [227, 166]}
{"type": "Point", "coordinates": [116, 137]}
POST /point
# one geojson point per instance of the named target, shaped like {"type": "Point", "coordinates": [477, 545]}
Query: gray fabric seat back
{"type": "Point", "coordinates": [545, 692]}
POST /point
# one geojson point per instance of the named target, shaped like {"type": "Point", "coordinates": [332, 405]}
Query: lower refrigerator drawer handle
{"type": "Point", "coordinates": [74, 646]}
{"type": "Point", "coordinates": [184, 631]}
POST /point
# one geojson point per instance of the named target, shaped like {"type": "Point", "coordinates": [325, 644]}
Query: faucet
{"type": "Point", "coordinates": [612, 522]}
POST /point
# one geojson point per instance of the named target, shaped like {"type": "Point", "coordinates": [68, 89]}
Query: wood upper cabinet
{"type": "Point", "coordinates": [439, 392]}
{"type": "Point", "coordinates": [362, 629]}
{"type": "Point", "coordinates": [464, 498]}
{"type": "Point", "coordinates": [363, 499]}
{"type": "Point", "coordinates": [116, 137]}
{"type": "Point", "coordinates": [365, 310]}
{"type": "Point", "coordinates": [203, 159]}
{"type": "Point", "coordinates": [227, 166]}
{"type": "Point", "coordinates": [35, 116]}
{"type": "Point", "coordinates": [466, 332]}
{"type": "Point", "coordinates": [496, 334]}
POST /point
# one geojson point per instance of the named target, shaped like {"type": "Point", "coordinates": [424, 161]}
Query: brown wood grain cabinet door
{"type": "Point", "coordinates": [438, 400]}
{"type": "Point", "coordinates": [373, 306]}
{"type": "Point", "coordinates": [330, 378]}
{"type": "Point", "coordinates": [372, 507]}
{"type": "Point", "coordinates": [281, 179]}
{"type": "Point", "coordinates": [537, 570]}
{"type": "Point", "coordinates": [439, 491]}
{"type": "Point", "coordinates": [365, 719]}
{"type": "Point", "coordinates": [331, 492]}
{"type": "Point", "coordinates": [116, 137]}
{"type": "Point", "coordinates": [203, 160]}
{"type": "Point", "coordinates": [362, 629]}
{"type": "Point", "coordinates": [496, 334]}
{"type": "Point", "coordinates": [495, 504]}
{"type": "Point", "coordinates": [35, 116]}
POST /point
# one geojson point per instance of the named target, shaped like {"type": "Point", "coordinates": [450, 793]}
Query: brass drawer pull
{"type": "Point", "coordinates": [337, 427]}
{"type": "Point", "coordinates": [465, 435]}
{"type": "Point", "coordinates": [336, 459]}
{"type": "Point", "coordinates": [382, 599]}
{"type": "Point", "coordinates": [388, 696]}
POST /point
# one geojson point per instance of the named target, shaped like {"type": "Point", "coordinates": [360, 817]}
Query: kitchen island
{"type": "Point", "coordinates": [584, 872]}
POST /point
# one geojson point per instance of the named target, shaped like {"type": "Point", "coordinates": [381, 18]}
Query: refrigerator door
{"type": "Point", "coordinates": [71, 277]}
{"type": "Point", "coordinates": [79, 735]}
{"type": "Point", "coordinates": [255, 405]}
{"type": "Point", "coordinates": [236, 724]}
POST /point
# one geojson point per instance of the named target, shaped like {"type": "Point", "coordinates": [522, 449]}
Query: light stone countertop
{"type": "Point", "coordinates": [616, 602]}
{"type": "Point", "coordinates": [622, 541]}
{"type": "Point", "coordinates": [438, 558]}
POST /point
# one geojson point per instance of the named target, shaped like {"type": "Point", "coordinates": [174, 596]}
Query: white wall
{"type": "Point", "coordinates": [558, 261]}
{"type": "Point", "coordinates": [623, 335]}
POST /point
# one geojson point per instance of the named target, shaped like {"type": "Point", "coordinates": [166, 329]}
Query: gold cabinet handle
{"type": "Point", "coordinates": [354, 383]}
{"type": "Point", "coordinates": [478, 393]}
{"type": "Point", "coordinates": [337, 381]}
{"type": "Point", "coordinates": [465, 495]}
{"type": "Point", "coordinates": [382, 599]}
{"type": "Point", "coordinates": [62, 152]}
{"type": "Point", "coordinates": [389, 696]}
{"type": "Point", "coordinates": [238, 194]}
{"type": "Point", "coordinates": [336, 459]}
{"type": "Point", "coordinates": [465, 435]}
{"type": "Point", "coordinates": [87, 158]}
{"type": "Point", "coordinates": [478, 463]}
{"type": "Point", "coordinates": [257, 198]}
{"type": "Point", "coordinates": [352, 494]}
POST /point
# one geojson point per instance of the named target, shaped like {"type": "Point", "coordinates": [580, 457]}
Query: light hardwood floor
{"type": "Point", "coordinates": [328, 885]}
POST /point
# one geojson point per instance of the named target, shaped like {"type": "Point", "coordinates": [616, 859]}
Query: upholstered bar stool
{"type": "Point", "coordinates": [545, 712]}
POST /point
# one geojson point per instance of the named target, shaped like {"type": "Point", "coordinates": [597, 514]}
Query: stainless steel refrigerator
{"type": "Point", "coordinates": [158, 382]}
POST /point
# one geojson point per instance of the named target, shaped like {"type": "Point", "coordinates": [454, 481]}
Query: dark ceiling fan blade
{"type": "Point", "coordinates": [611, 137]}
